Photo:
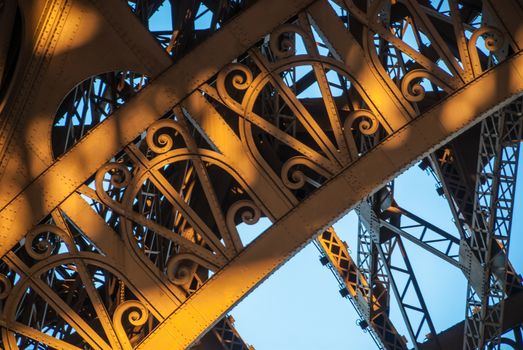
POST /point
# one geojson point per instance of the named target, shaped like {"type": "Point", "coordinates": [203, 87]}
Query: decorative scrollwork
{"type": "Point", "coordinates": [39, 246]}
{"type": "Point", "coordinates": [250, 213]}
{"type": "Point", "coordinates": [137, 315]}
{"type": "Point", "coordinates": [181, 268]}
{"type": "Point", "coordinates": [493, 42]}
{"type": "Point", "coordinates": [120, 178]}
{"type": "Point", "coordinates": [282, 45]}
{"type": "Point", "coordinates": [297, 178]}
{"type": "Point", "coordinates": [5, 286]}
{"type": "Point", "coordinates": [368, 124]}
{"type": "Point", "coordinates": [160, 141]}
{"type": "Point", "coordinates": [411, 87]}
{"type": "Point", "coordinates": [240, 77]}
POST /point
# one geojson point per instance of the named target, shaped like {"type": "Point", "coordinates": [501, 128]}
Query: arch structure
{"type": "Point", "coordinates": [135, 137]}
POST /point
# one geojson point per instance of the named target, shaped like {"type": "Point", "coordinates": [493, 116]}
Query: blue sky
{"type": "Point", "coordinates": [299, 306]}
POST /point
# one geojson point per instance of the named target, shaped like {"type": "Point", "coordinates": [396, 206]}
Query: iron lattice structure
{"type": "Point", "coordinates": [135, 136]}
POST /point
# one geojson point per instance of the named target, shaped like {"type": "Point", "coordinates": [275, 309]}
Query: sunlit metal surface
{"type": "Point", "coordinates": [137, 135]}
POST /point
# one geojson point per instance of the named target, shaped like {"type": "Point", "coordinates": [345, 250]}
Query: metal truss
{"type": "Point", "coordinates": [437, 241]}
{"type": "Point", "coordinates": [223, 336]}
{"type": "Point", "coordinates": [132, 149]}
{"type": "Point", "coordinates": [385, 242]}
{"type": "Point", "coordinates": [424, 234]}
{"type": "Point", "coordinates": [488, 246]}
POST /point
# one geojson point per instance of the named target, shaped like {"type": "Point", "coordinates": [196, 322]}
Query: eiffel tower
{"type": "Point", "coordinates": [136, 136]}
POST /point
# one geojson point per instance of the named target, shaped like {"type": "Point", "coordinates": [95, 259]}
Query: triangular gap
{"type": "Point", "coordinates": [160, 24]}
{"type": "Point", "coordinates": [249, 232]}
{"type": "Point", "coordinates": [340, 11]}
{"type": "Point", "coordinates": [203, 19]}
{"type": "Point", "coordinates": [184, 179]}
{"type": "Point", "coordinates": [299, 45]}
{"type": "Point", "coordinates": [474, 25]}
{"type": "Point", "coordinates": [114, 291]}
{"type": "Point", "coordinates": [398, 268]}
{"type": "Point", "coordinates": [443, 66]}
{"type": "Point", "coordinates": [404, 280]}
{"type": "Point", "coordinates": [407, 293]}
{"type": "Point", "coordinates": [410, 38]}
{"type": "Point", "coordinates": [288, 290]}
{"type": "Point", "coordinates": [397, 319]}
{"type": "Point", "coordinates": [66, 282]}
{"type": "Point", "coordinates": [312, 98]}
{"type": "Point", "coordinates": [81, 241]}
{"type": "Point", "coordinates": [416, 229]}
{"type": "Point", "coordinates": [273, 108]}
{"type": "Point", "coordinates": [416, 318]}
{"type": "Point", "coordinates": [323, 48]}
{"type": "Point", "coordinates": [338, 83]}
{"type": "Point", "coordinates": [35, 312]}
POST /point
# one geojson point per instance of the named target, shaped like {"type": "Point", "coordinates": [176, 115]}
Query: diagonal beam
{"type": "Point", "coordinates": [147, 284]}
{"type": "Point", "coordinates": [335, 253]}
{"type": "Point", "coordinates": [433, 244]}
{"type": "Point", "coordinates": [152, 287]}
{"type": "Point", "coordinates": [263, 256]}
{"type": "Point", "coordinates": [394, 110]}
{"type": "Point", "coordinates": [66, 174]}
{"type": "Point", "coordinates": [452, 338]}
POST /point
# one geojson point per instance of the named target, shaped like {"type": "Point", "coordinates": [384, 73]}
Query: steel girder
{"type": "Point", "coordinates": [348, 174]}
